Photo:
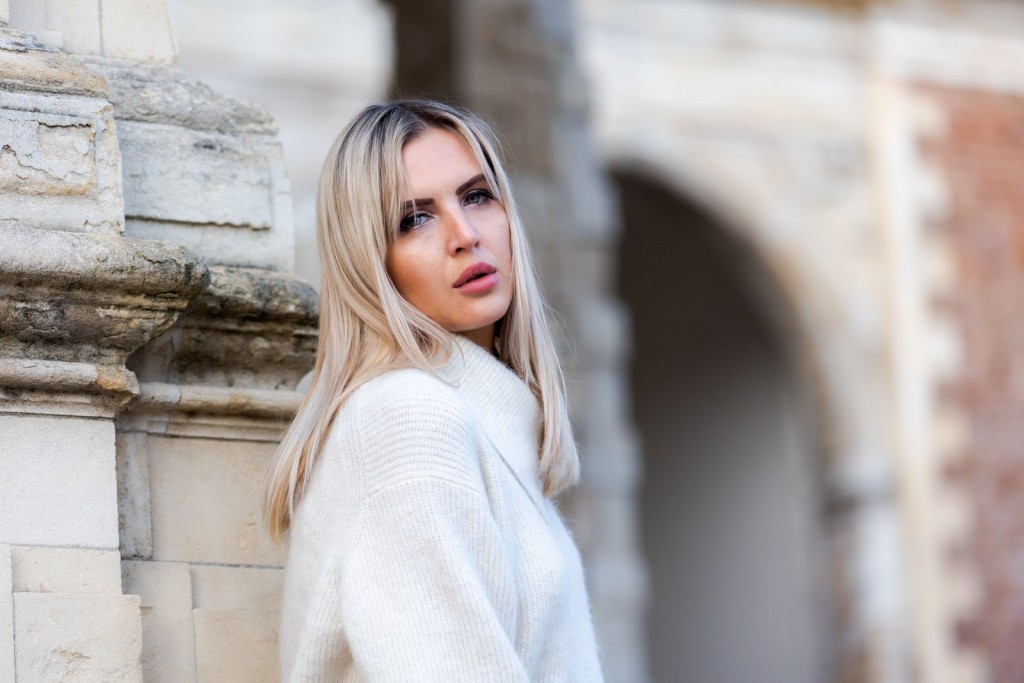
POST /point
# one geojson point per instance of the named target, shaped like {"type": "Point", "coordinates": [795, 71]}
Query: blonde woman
{"type": "Point", "coordinates": [414, 486]}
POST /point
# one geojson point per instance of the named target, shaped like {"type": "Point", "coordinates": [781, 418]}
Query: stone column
{"type": "Point", "coordinates": [78, 299]}
{"type": "Point", "coordinates": [147, 277]}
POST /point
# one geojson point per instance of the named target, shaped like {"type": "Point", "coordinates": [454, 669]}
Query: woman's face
{"type": "Point", "coordinates": [452, 258]}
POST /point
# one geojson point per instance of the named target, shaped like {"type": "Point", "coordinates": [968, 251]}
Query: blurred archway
{"type": "Point", "coordinates": [731, 506]}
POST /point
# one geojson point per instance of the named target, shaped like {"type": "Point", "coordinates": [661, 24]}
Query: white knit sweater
{"type": "Point", "coordinates": [423, 548]}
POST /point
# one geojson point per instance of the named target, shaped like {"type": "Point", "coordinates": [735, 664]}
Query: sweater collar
{"type": "Point", "coordinates": [507, 410]}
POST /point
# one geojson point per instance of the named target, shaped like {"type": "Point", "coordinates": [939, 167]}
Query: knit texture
{"type": "Point", "coordinates": [423, 548]}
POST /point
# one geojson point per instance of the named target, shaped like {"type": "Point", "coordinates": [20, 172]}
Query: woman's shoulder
{"type": "Point", "coordinates": [398, 395]}
{"type": "Point", "coordinates": [409, 423]}
{"type": "Point", "coordinates": [416, 379]}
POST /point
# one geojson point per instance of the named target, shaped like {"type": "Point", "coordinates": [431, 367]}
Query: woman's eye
{"type": "Point", "coordinates": [413, 220]}
{"type": "Point", "coordinates": [479, 197]}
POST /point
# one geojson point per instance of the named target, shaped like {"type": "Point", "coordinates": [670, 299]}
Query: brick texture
{"type": "Point", "coordinates": [982, 158]}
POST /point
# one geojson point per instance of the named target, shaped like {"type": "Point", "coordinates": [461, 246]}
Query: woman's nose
{"type": "Point", "coordinates": [462, 233]}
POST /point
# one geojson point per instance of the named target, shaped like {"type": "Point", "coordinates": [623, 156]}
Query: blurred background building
{"type": "Point", "coordinates": [785, 239]}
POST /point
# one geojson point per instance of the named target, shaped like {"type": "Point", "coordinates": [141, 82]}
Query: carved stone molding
{"type": "Point", "coordinates": [251, 329]}
{"type": "Point", "coordinates": [74, 306]}
{"type": "Point", "coordinates": [258, 403]}
{"type": "Point", "coordinates": [211, 412]}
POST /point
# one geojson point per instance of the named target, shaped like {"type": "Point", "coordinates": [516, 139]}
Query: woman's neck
{"type": "Point", "coordinates": [482, 337]}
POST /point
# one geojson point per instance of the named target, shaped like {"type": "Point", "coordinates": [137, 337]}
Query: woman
{"type": "Point", "coordinates": [415, 481]}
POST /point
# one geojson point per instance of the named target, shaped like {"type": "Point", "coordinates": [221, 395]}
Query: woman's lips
{"type": "Point", "coordinates": [479, 285]}
{"type": "Point", "coordinates": [479, 277]}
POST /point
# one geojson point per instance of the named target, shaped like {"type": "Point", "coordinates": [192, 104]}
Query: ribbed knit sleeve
{"type": "Point", "coordinates": [425, 591]}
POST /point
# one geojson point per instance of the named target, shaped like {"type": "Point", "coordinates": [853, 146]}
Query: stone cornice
{"type": "Point", "coordinates": [252, 328]}
{"type": "Point", "coordinates": [31, 258]}
{"type": "Point", "coordinates": [229, 368]}
{"type": "Point", "coordinates": [257, 295]}
{"type": "Point", "coordinates": [74, 306]}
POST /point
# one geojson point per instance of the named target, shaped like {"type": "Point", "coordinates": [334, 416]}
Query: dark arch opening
{"type": "Point", "coordinates": [730, 506]}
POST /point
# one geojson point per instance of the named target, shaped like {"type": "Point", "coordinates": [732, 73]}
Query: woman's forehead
{"type": "Point", "coordinates": [436, 159]}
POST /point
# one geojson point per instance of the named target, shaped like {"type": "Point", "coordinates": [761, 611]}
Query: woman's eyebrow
{"type": "Point", "coordinates": [427, 201]}
{"type": "Point", "coordinates": [469, 183]}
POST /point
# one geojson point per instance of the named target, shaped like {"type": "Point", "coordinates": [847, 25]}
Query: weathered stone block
{"type": "Point", "coordinates": [201, 170]}
{"type": "Point", "coordinates": [201, 177]}
{"type": "Point", "coordinates": [205, 496]}
{"type": "Point", "coordinates": [228, 245]}
{"type": "Point", "coordinates": [6, 616]}
{"type": "Point", "coordinates": [137, 29]}
{"type": "Point", "coordinates": [57, 482]}
{"type": "Point", "coordinates": [237, 588]}
{"type": "Point", "coordinates": [46, 154]}
{"type": "Point", "coordinates": [65, 570]}
{"type": "Point", "coordinates": [168, 646]}
{"type": "Point", "coordinates": [236, 647]}
{"type": "Point", "coordinates": [59, 166]}
{"type": "Point", "coordinates": [63, 637]}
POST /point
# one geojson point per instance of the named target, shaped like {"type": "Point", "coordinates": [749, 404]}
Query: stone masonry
{"type": "Point", "coordinates": [151, 340]}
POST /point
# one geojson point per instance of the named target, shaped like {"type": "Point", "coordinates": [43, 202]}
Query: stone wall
{"type": "Point", "coordinates": [952, 91]}
{"type": "Point", "coordinates": [78, 299]}
{"type": "Point", "coordinates": [150, 344]}
{"type": "Point", "coordinates": [216, 391]}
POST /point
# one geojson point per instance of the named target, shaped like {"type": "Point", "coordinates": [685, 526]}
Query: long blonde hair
{"type": "Point", "coordinates": [367, 328]}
